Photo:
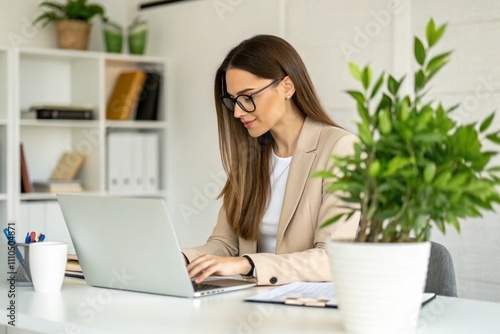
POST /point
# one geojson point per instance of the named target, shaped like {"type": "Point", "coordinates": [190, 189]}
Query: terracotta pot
{"type": "Point", "coordinates": [73, 34]}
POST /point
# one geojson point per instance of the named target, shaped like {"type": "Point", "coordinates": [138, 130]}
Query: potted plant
{"type": "Point", "coordinates": [72, 21]}
{"type": "Point", "coordinates": [413, 168]}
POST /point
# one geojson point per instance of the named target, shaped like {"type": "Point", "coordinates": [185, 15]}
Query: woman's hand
{"type": "Point", "coordinates": [207, 265]}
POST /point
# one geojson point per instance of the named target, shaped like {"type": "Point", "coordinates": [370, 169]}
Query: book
{"type": "Point", "coordinates": [58, 114]}
{"type": "Point", "coordinates": [57, 186]}
{"type": "Point", "coordinates": [147, 107]}
{"type": "Point", "coordinates": [59, 111]}
{"type": "Point", "coordinates": [73, 268]}
{"type": "Point", "coordinates": [68, 166]}
{"type": "Point", "coordinates": [25, 180]}
{"type": "Point", "coordinates": [125, 95]}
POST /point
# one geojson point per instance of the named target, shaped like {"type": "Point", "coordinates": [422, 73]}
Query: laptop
{"type": "Point", "coordinates": [130, 244]}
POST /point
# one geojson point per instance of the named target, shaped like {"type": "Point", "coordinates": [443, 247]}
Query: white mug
{"type": "Point", "coordinates": [47, 262]}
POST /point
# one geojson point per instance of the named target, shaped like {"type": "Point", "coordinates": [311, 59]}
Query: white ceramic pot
{"type": "Point", "coordinates": [379, 286]}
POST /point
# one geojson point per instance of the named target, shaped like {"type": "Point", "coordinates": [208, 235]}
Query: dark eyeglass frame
{"type": "Point", "coordinates": [234, 101]}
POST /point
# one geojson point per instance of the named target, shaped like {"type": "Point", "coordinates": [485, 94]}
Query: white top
{"type": "Point", "coordinates": [269, 225]}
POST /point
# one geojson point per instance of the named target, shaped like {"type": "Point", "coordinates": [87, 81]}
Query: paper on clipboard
{"type": "Point", "coordinates": [319, 294]}
{"type": "Point", "coordinates": [316, 294]}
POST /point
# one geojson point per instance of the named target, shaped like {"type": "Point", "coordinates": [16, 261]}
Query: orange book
{"type": "Point", "coordinates": [125, 95]}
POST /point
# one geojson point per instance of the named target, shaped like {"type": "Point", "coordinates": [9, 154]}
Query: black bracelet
{"type": "Point", "coordinates": [250, 273]}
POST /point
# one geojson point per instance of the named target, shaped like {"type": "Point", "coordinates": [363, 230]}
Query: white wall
{"type": "Point", "coordinates": [196, 36]}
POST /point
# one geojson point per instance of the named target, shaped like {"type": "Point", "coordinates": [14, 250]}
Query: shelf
{"type": "Point", "coordinates": [36, 76]}
{"type": "Point", "coordinates": [136, 124]}
{"type": "Point", "coordinates": [59, 123]}
{"type": "Point", "coordinates": [61, 53]}
{"type": "Point", "coordinates": [37, 196]}
{"type": "Point", "coordinates": [158, 194]}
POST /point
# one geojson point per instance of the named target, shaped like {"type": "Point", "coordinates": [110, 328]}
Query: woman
{"type": "Point", "coordinates": [273, 135]}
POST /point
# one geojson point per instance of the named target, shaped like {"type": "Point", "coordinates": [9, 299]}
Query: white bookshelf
{"type": "Point", "coordinates": [30, 76]}
{"type": "Point", "coordinates": [5, 130]}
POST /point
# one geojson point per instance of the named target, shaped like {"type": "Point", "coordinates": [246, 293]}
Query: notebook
{"type": "Point", "coordinates": [130, 244]}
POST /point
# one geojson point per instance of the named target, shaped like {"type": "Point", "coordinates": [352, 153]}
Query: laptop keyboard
{"type": "Point", "coordinates": [204, 286]}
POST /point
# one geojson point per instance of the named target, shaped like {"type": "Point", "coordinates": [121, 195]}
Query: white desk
{"type": "Point", "coordinates": [79, 308]}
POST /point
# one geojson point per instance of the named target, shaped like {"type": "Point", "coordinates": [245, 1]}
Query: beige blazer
{"type": "Point", "coordinates": [301, 253]}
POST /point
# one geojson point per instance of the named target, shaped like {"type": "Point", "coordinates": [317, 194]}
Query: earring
{"type": "Point", "coordinates": [288, 97]}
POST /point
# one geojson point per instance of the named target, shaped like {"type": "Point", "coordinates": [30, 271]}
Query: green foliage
{"type": "Point", "coordinates": [413, 165]}
{"type": "Point", "coordinates": [72, 10]}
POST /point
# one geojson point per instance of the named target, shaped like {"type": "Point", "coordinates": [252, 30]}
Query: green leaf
{"type": "Point", "coordinates": [377, 85]}
{"type": "Point", "coordinates": [365, 134]}
{"type": "Point", "coordinates": [439, 33]}
{"type": "Point", "coordinates": [442, 179]}
{"type": "Point", "coordinates": [429, 172]}
{"type": "Point", "coordinates": [355, 71]}
{"type": "Point", "coordinates": [433, 35]}
{"type": "Point", "coordinates": [323, 175]}
{"type": "Point", "coordinates": [419, 80]}
{"type": "Point", "coordinates": [392, 85]}
{"type": "Point", "coordinates": [494, 169]}
{"type": "Point", "coordinates": [486, 123]}
{"type": "Point", "coordinates": [438, 61]}
{"type": "Point", "coordinates": [494, 137]}
{"type": "Point", "coordinates": [384, 122]}
{"type": "Point", "coordinates": [374, 168]}
{"type": "Point", "coordinates": [395, 164]}
{"type": "Point", "coordinates": [332, 220]}
{"type": "Point", "coordinates": [430, 32]}
{"type": "Point", "coordinates": [404, 112]}
{"type": "Point", "coordinates": [358, 96]}
{"type": "Point", "coordinates": [419, 51]}
{"type": "Point", "coordinates": [366, 77]}
{"type": "Point", "coordinates": [363, 113]}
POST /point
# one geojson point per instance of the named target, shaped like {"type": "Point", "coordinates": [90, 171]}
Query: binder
{"type": "Point", "coordinates": [137, 163]}
{"type": "Point", "coordinates": [133, 163]}
{"type": "Point", "coordinates": [125, 95]}
{"type": "Point", "coordinates": [147, 107]}
{"type": "Point", "coordinates": [151, 162]}
{"type": "Point", "coordinates": [118, 150]}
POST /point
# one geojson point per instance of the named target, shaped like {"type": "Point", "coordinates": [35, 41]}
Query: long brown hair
{"type": "Point", "coordinates": [246, 159]}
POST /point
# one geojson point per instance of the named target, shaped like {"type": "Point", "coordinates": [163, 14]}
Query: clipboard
{"type": "Point", "coordinates": [311, 294]}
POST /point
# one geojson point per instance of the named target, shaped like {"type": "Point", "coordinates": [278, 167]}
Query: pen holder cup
{"type": "Point", "coordinates": [23, 273]}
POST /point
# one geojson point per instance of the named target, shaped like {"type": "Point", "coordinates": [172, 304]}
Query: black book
{"type": "Point", "coordinates": [147, 107]}
{"type": "Point", "coordinates": [63, 114]}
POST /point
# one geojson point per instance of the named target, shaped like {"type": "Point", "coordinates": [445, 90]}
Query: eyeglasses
{"type": "Point", "coordinates": [244, 101]}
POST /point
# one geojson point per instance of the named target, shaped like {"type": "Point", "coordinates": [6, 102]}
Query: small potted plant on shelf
{"type": "Point", "coordinates": [72, 21]}
{"type": "Point", "coordinates": [413, 168]}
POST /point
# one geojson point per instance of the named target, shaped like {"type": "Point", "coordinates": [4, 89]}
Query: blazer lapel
{"type": "Point", "coordinates": [300, 169]}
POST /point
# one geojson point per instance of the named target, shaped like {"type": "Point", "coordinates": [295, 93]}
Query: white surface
{"type": "Point", "coordinates": [47, 265]}
{"type": "Point", "coordinates": [82, 309]}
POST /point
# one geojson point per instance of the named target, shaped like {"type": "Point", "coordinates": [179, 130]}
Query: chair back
{"type": "Point", "coordinates": [441, 273]}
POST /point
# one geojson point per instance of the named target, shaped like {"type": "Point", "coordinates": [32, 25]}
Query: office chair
{"type": "Point", "coordinates": [440, 273]}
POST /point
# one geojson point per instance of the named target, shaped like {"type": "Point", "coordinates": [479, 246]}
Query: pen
{"type": "Point", "coordinates": [19, 256]}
